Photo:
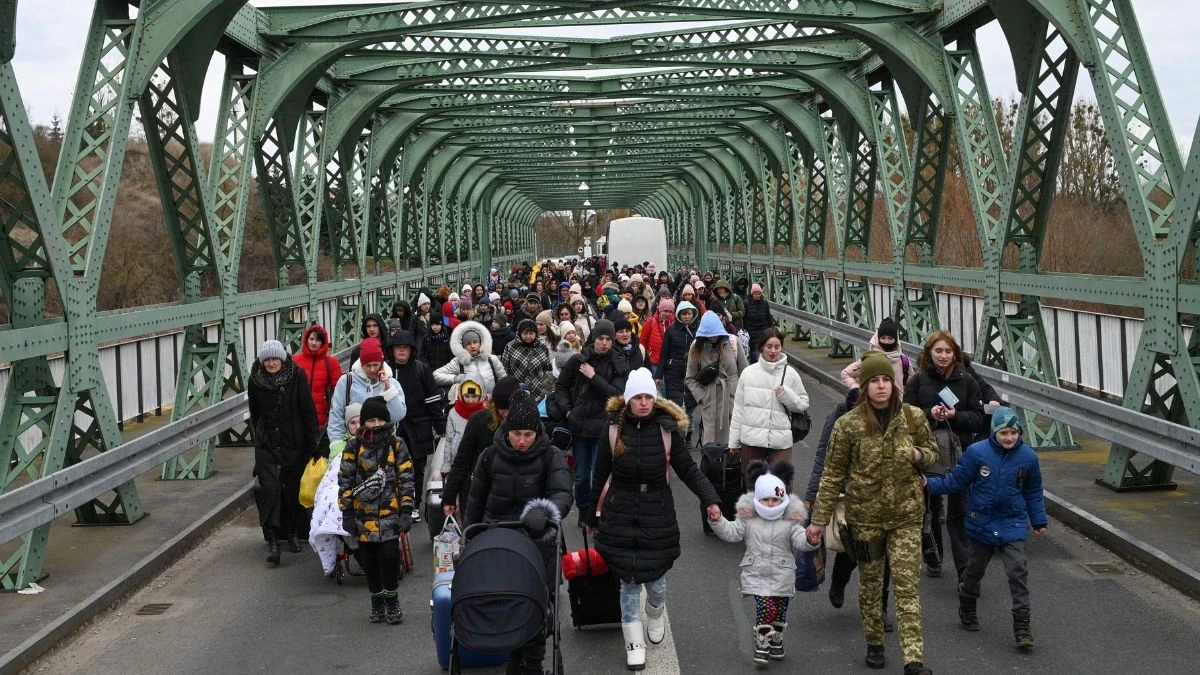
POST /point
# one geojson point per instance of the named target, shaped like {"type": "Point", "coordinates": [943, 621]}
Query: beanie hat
{"type": "Point", "coordinates": [522, 412]}
{"type": "Point", "coordinates": [575, 289]}
{"type": "Point", "coordinates": [766, 486]}
{"type": "Point", "coordinates": [453, 297]}
{"type": "Point", "coordinates": [493, 297]}
{"type": "Point", "coordinates": [688, 288]}
{"type": "Point", "coordinates": [503, 391]}
{"type": "Point", "coordinates": [604, 328]}
{"type": "Point", "coordinates": [513, 294]}
{"type": "Point", "coordinates": [566, 327]}
{"type": "Point", "coordinates": [621, 323]}
{"type": "Point", "coordinates": [756, 288]}
{"type": "Point", "coordinates": [471, 334]}
{"type": "Point", "coordinates": [526, 324]}
{"type": "Point", "coordinates": [1005, 418]}
{"type": "Point", "coordinates": [666, 304]}
{"type": "Point", "coordinates": [375, 408]}
{"type": "Point", "coordinates": [711, 326]}
{"type": "Point", "coordinates": [699, 285]}
{"type": "Point", "coordinates": [640, 382]}
{"type": "Point", "coordinates": [466, 288]}
{"type": "Point", "coordinates": [683, 306]}
{"type": "Point", "coordinates": [422, 299]}
{"type": "Point", "coordinates": [624, 306]}
{"type": "Point", "coordinates": [353, 410]}
{"type": "Point", "coordinates": [635, 279]}
{"type": "Point", "coordinates": [370, 351]}
{"type": "Point", "coordinates": [273, 349]}
{"type": "Point", "coordinates": [575, 297]}
{"type": "Point", "coordinates": [875, 363]}
{"type": "Point", "coordinates": [470, 387]}
{"type": "Point", "coordinates": [887, 328]}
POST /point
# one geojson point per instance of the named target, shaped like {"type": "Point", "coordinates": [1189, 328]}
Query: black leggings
{"type": "Point", "coordinates": [381, 562]}
{"type": "Point", "coordinates": [419, 480]}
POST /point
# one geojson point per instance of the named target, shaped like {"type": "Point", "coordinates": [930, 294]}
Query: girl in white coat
{"type": "Point", "coordinates": [767, 390]}
{"type": "Point", "coordinates": [771, 522]}
{"type": "Point", "coordinates": [471, 345]}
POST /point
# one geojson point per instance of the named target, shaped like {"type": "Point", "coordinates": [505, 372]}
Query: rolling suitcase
{"type": "Point", "coordinates": [440, 624]}
{"type": "Point", "coordinates": [724, 470]}
{"type": "Point", "coordinates": [595, 598]}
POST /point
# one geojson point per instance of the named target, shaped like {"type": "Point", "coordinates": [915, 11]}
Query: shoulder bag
{"type": "Point", "coordinates": [801, 421]}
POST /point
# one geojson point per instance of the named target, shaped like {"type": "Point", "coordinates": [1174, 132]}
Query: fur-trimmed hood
{"type": "Point", "coordinates": [456, 346]}
{"type": "Point", "coordinates": [795, 510]}
{"type": "Point", "coordinates": [616, 406]}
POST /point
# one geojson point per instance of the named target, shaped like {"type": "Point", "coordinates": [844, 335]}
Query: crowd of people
{"type": "Point", "coordinates": [628, 368]}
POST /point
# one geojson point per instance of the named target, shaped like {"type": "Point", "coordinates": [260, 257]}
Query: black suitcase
{"type": "Point", "coordinates": [595, 599]}
{"type": "Point", "coordinates": [724, 470]}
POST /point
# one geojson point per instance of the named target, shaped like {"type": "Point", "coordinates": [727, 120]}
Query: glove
{"type": "Point", "coordinates": [406, 521]}
{"type": "Point", "coordinates": [535, 521]}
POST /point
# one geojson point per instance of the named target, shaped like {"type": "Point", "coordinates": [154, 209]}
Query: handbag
{"type": "Point", "coordinates": [838, 531]}
{"type": "Point", "coordinates": [801, 421]}
{"type": "Point", "coordinates": [949, 449]}
{"type": "Point", "coordinates": [446, 545]}
{"type": "Point", "coordinates": [810, 569]}
{"type": "Point", "coordinates": [708, 374]}
{"type": "Point", "coordinates": [310, 480]}
{"type": "Point", "coordinates": [370, 489]}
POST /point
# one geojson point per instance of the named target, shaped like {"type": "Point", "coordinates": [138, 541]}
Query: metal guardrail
{"type": "Point", "coordinates": [1154, 437]}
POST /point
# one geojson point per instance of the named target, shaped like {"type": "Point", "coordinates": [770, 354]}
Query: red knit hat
{"type": "Point", "coordinates": [370, 351]}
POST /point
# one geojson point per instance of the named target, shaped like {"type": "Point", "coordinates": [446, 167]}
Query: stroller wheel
{"type": "Point", "coordinates": [337, 574]}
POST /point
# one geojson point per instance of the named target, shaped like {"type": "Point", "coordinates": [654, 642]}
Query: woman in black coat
{"type": "Point", "coordinates": [673, 356]}
{"type": "Point", "coordinates": [941, 367]}
{"type": "Point", "coordinates": [284, 420]}
{"type": "Point", "coordinates": [638, 531]}
{"type": "Point", "coordinates": [477, 436]}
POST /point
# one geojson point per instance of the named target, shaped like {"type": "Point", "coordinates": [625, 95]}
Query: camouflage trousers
{"type": "Point", "coordinates": [904, 552]}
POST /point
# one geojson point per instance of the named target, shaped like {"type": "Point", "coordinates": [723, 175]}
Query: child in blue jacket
{"type": "Point", "coordinates": [1005, 482]}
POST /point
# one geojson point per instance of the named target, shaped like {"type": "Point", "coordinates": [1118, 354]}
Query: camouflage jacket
{"type": "Point", "coordinates": [375, 520]}
{"type": "Point", "coordinates": [883, 487]}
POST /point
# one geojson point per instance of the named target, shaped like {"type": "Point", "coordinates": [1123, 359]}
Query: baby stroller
{"type": "Point", "coordinates": [505, 593]}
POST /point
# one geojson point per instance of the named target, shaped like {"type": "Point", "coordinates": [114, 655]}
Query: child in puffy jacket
{"type": "Point", "coordinates": [1005, 485]}
{"type": "Point", "coordinates": [771, 522]}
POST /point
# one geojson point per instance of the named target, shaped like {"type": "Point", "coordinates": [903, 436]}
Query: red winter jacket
{"type": "Point", "coordinates": [321, 369]}
{"type": "Point", "coordinates": [651, 337]}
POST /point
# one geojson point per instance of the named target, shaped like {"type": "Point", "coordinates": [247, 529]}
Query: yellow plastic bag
{"type": "Point", "coordinates": [313, 473]}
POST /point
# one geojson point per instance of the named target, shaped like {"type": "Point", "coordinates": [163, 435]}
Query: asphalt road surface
{"type": "Point", "coordinates": [231, 612]}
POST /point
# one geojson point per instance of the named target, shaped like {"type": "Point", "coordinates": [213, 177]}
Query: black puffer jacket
{"type": "Point", "coordinates": [581, 401]}
{"type": "Point", "coordinates": [758, 318]}
{"type": "Point", "coordinates": [435, 348]}
{"type": "Point", "coordinates": [632, 353]}
{"type": "Point", "coordinates": [282, 415]}
{"type": "Point", "coordinates": [506, 480]}
{"type": "Point", "coordinates": [672, 362]}
{"type": "Point", "coordinates": [969, 421]}
{"type": "Point", "coordinates": [476, 437]}
{"type": "Point", "coordinates": [638, 532]}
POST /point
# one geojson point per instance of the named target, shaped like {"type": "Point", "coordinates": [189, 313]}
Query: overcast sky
{"type": "Point", "coordinates": [50, 38]}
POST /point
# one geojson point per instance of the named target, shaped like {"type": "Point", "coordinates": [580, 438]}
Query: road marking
{"type": "Point", "coordinates": [661, 658]}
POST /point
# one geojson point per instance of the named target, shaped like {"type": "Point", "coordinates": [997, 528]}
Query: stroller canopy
{"type": "Point", "coordinates": [499, 599]}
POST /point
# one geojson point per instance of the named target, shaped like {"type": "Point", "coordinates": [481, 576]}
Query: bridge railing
{"type": "Point", "coordinates": [1165, 441]}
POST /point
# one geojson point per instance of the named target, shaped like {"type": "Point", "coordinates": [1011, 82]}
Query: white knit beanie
{"type": "Point", "coordinates": [769, 485]}
{"type": "Point", "coordinates": [566, 326]}
{"type": "Point", "coordinates": [272, 349]}
{"type": "Point", "coordinates": [640, 382]}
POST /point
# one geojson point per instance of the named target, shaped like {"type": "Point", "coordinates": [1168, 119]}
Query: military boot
{"type": "Point", "coordinates": [967, 614]}
{"type": "Point", "coordinates": [916, 668]}
{"type": "Point", "coordinates": [1021, 632]}
{"type": "Point", "coordinates": [875, 658]}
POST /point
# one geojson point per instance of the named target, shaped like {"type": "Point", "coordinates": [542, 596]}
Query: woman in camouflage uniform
{"type": "Point", "coordinates": [882, 445]}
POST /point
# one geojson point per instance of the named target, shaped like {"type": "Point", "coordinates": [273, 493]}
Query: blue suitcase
{"type": "Point", "coordinates": [441, 630]}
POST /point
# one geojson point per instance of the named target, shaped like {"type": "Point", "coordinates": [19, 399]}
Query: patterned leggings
{"type": "Point", "coordinates": [770, 609]}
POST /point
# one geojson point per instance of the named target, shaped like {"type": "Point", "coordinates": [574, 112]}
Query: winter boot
{"type": "Point", "coordinates": [776, 651]}
{"type": "Point", "coordinates": [293, 543]}
{"type": "Point", "coordinates": [635, 648]}
{"type": "Point", "coordinates": [916, 668]}
{"type": "Point", "coordinates": [391, 607]}
{"type": "Point", "coordinates": [968, 615]}
{"type": "Point", "coordinates": [656, 623]}
{"type": "Point", "coordinates": [273, 550]}
{"type": "Point", "coordinates": [875, 658]}
{"type": "Point", "coordinates": [837, 595]}
{"type": "Point", "coordinates": [1021, 632]}
{"type": "Point", "coordinates": [762, 644]}
{"type": "Point", "coordinates": [377, 602]}
{"type": "Point", "coordinates": [889, 624]}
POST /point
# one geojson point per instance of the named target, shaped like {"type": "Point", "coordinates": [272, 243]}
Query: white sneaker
{"type": "Point", "coordinates": [656, 623]}
{"type": "Point", "coordinates": [635, 648]}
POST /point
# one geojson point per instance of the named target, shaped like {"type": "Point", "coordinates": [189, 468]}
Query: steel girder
{"type": "Point", "coordinates": [398, 136]}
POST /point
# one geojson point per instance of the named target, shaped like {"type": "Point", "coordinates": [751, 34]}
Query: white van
{"type": "Point", "coordinates": [632, 241]}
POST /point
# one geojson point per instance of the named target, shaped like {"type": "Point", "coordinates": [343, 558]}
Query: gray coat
{"type": "Point", "coordinates": [715, 401]}
{"type": "Point", "coordinates": [769, 566]}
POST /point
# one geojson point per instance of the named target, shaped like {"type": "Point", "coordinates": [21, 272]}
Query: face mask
{"type": "Point", "coordinates": [770, 512]}
{"type": "Point", "coordinates": [371, 436]}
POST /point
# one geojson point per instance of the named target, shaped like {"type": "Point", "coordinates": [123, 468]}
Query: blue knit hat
{"type": "Point", "coordinates": [711, 326]}
{"type": "Point", "coordinates": [1005, 418]}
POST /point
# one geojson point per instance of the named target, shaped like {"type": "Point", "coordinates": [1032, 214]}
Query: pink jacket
{"type": "Point", "coordinates": [850, 372]}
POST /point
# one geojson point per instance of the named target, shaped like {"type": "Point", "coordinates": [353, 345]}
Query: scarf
{"type": "Point", "coordinates": [274, 380]}
{"type": "Point", "coordinates": [465, 410]}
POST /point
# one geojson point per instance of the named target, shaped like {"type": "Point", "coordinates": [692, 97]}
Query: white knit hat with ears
{"type": "Point", "coordinates": [640, 382]}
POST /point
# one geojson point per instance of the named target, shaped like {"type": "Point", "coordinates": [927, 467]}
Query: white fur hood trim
{"type": "Point", "coordinates": [460, 352]}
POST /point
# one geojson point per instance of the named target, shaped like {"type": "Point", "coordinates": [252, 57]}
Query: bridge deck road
{"type": "Point", "coordinates": [230, 612]}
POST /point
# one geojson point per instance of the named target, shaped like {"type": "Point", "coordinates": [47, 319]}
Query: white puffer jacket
{"type": "Point", "coordinates": [484, 368]}
{"type": "Point", "coordinates": [759, 418]}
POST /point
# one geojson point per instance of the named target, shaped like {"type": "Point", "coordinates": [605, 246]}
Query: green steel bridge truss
{"type": "Point", "coordinates": [420, 142]}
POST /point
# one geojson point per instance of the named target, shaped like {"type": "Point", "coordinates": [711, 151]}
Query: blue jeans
{"type": "Point", "coordinates": [631, 598]}
{"type": "Point", "coordinates": [585, 450]}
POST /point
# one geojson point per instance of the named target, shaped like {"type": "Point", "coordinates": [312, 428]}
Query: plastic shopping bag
{"type": "Point", "coordinates": [313, 473]}
{"type": "Point", "coordinates": [446, 545]}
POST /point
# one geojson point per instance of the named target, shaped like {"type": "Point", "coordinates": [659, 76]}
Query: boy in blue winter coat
{"type": "Point", "coordinates": [1006, 498]}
